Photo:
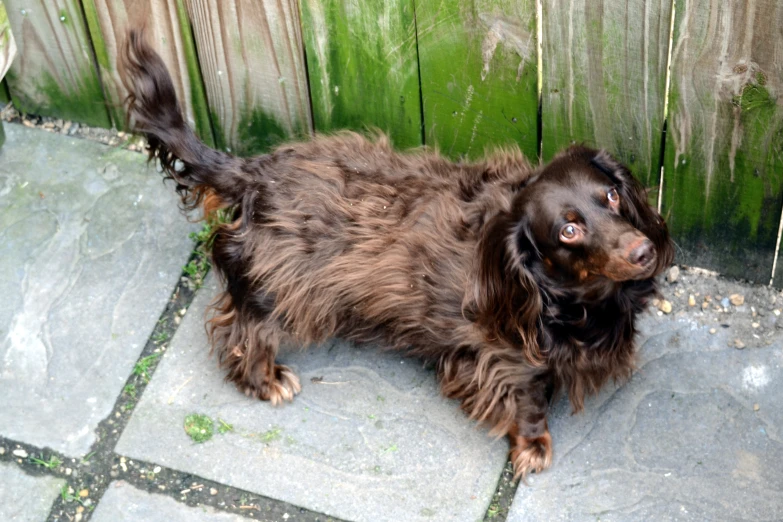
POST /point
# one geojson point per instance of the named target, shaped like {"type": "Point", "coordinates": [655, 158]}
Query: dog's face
{"type": "Point", "coordinates": [586, 218]}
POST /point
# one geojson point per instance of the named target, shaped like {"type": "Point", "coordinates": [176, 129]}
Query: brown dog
{"type": "Point", "coordinates": [515, 281]}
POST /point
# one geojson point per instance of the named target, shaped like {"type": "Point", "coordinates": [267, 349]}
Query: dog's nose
{"type": "Point", "coordinates": [642, 254]}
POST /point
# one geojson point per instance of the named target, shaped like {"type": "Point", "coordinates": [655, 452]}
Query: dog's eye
{"type": "Point", "coordinates": [613, 196]}
{"type": "Point", "coordinates": [569, 232]}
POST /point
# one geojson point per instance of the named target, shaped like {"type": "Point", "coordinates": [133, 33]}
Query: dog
{"type": "Point", "coordinates": [515, 281]}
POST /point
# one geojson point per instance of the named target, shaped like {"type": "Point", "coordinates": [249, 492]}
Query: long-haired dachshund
{"type": "Point", "coordinates": [515, 281]}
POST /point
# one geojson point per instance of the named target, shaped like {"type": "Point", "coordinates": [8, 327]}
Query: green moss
{"type": "Point", "coordinates": [5, 95]}
{"type": "Point", "coordinates": [224, 427]}
{"type": "Point", "coordinates": [465, 114]}
{"type": "Point", "coordinates": [98, 42]}
{"type": "Point", "coordinates": [84, 103]}
{"type": "Point", "coordinates": [217, 129]}
{"type": "Point", "coordinates": [3, 17]}
{"type": "Point", "coordinates": [271, 435]}
{"type": "Point", "coordinates": [198, 97]}
{"type": "Point", "coordinates": [731, 225]}
{"type": "Point", "coordinates": [64, 17]}
{"type": "Point", "coordinates": [362, 74]}
{"type": "Point", "coordinates": [258, 132]}
{"type": "Point", "coordinates": [199, 427]}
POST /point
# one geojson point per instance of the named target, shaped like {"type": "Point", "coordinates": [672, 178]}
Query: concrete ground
{"type": "Point", "coordinates": [111, 409]}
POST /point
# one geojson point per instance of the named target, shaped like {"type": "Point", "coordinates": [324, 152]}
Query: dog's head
{"type": "Point", "coordinates": [580, 227]}
{"type": "Point", "coordinates": [587, 221]}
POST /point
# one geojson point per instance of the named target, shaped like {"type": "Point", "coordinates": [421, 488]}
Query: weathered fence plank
{"type": "Point", "coordinates": [252, 61]}
{"type": "Point", "coordinates": [363, 68]}
{"type": "Point", "coordinates": [7, 54]}
{"type": "Point", "coordinates": [604, 75]}
{"type": "Point", "coordinates": [723, 181]}
{"type": "Point", "coordinates": [478, 74]}
{"type": "Point", "coordinates": [168, 31]}
{"type": "Point", "coordinates": [54, 73]}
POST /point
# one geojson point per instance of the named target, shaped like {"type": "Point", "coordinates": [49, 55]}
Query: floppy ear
{"type": "Point", "coordinates": [634, 206]}
{"type": "Point", "coordinates": [508, 301]}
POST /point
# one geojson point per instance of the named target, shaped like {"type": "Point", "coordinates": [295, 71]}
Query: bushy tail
{"type": "Point", "coordinates": [203, 175]}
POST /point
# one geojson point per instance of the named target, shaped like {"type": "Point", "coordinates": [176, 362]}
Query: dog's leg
{"type": "Point", "coordinates": [246, 348]}
{"type": "Point", "coordinates": [501, 389]}
{"type": "Point", "coordinates": [531, 443]}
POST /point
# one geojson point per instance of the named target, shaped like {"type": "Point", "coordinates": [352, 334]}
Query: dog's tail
{"type": "Point", "coordinates": [203, 175]}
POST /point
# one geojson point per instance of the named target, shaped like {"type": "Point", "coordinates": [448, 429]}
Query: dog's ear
{"type": "Point", "coordinates": [634, 206]}
{"type": "Point", "coordinates": [507, 298]}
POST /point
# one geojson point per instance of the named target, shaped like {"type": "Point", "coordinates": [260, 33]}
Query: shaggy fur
{"type": "Point", "coordinates": [514, 281]}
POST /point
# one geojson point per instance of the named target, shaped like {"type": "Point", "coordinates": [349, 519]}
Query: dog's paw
{"type": "Point", "coordinates": [282, 387]}
{"type": "Point", "coordinates": [531, 454]}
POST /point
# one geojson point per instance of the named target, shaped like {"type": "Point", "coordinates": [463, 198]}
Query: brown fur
{"type": "Point", "coordinates": [453, 262]}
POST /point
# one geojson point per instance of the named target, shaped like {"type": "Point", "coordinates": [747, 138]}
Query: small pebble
{"type": "Point", "coordinates": [674, 273]}
{"type": "Point", "coordinates": [756, 407]}
{"type": "Point", "coordinates": [80, 509]}
{"type": "Point", "coordinates": [725, 302]}
{"type": "Point", "coordinates": [754, 325]}
{"type": "Point", "coordinates": [666, 307]}
{"type": "Point", "coordinates": [737, 299]}
{"type": "Point", "coordinates": [739, 345]}
{"type": "Point", "coordinates": [2, 450]}
{"type": "Point", "coordinates": [84, 493]}
{"type": "Point", "coordinates": [213, 491]}
{"type": "Point", "coordinates": [713, 331]}
{"type": "Point", "coordinates": [68, 471]}
{"type": "Point", "coordinates": [20, 453]}
{"type": "Point", "coordinates": [691, 300]}
{"type": "Point", "coordinates": [705, 305]}
{"type": "Point", "coordinates": [156, 470]}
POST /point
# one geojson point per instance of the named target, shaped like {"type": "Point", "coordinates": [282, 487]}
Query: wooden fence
{"type": "Point", "coordinates": [463, 75]}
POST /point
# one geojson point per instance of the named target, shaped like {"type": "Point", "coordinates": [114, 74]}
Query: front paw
{"type": "Point", "coordinates": [532, 454]}
{"type": "Point", "coordinates": [278, 388]}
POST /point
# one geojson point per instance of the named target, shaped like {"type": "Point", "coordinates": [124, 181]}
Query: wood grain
{"type": "Point", "coordinates": [7, 46]}
{"type": "Point", "coordinates": [478, 74]}
{"type": "Point", "coordinates": [604, 78]}
{"type": "Point", "coordinates": [252, 61]}
{"type": "Point", "coordinates": [361, 57]}
{"type": "Point", "coordinates": [168, 31]}
{"type": "Point", "coordinates": [723, 181]}
{"type": "Point", "coordinates": [54, 73]}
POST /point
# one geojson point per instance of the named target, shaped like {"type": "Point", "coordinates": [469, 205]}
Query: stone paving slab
{"type": "Point", "coordinates": [372, 441]}
{"type": "Point", "coordinates": [92, 244]}
{"type": "Point", "coordinates": [696, 435]}
{"type": "Point", "coordinates": [24, 498]}
{"type": "Point", "coordinates": [124, 503]}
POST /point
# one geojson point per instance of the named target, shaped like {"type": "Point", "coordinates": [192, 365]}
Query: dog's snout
{"type": "Point", "coordinates": [642, 254]}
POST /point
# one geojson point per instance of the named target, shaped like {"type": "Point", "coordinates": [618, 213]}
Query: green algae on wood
{"type": "Point", "coordinates": [478, 74]}
{"type": "Point", "coordinates": [54, 73]}
{"type": "Point", "coordinates": [5, 94]}
{"type": "Point", "coordinates": [252, 62]}
{"type": "Point", "coordinates": [723, 176]}
{"type": "Point", "coordinates": [168, 32]}
{"type": "Point", "coordinates": [363, 68]}
{"type": "Point", "coordinates": [604, 75]}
